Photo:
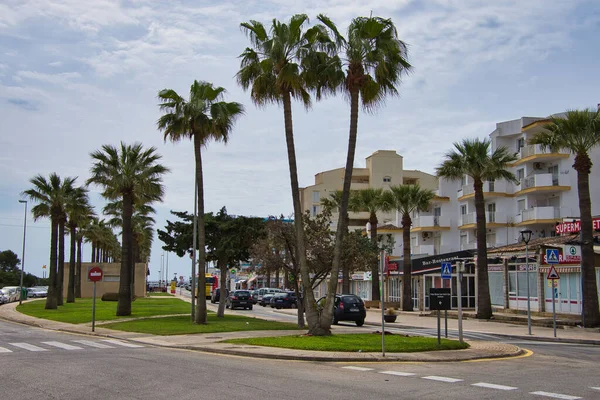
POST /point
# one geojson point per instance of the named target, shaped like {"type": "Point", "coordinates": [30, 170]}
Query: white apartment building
{"type": "Point", "coordinates": [546, 194]}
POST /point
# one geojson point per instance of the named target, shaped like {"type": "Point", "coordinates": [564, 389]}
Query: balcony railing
{"type": "Point", "coordinates": [490, 217]}
{"type": "Point", "coordinates": [430, 221]}
{"type": "Point", "coordinates": [488, 187]}
{"type": "Point", "coordinates": [538, 180]}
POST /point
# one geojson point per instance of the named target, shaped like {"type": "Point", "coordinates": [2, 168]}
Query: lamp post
{"type": "Point", "coordinates": [460, 266]}
{"type": "Point", "coordinates": [23, 255]}
{"type": "Point", "coordinates": [526, 237]}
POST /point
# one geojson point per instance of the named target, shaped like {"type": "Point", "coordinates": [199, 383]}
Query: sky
{"type": "Point", "coordinates": [75, 75]}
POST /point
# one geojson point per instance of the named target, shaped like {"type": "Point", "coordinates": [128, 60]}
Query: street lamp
{"type": "Point", "coordinates": [526, 237]}
{"type": "Point", "coordinates": [23, 256]}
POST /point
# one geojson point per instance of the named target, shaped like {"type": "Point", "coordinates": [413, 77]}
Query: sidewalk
{"type": "Point", "coordinates": [212, 342]}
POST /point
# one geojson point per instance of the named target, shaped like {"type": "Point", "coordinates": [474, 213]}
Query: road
{"type": "Point", "coordinates": [40, 364]}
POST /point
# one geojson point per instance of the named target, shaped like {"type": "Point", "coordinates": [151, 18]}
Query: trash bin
{"type": "Point", "coordinates": [23, 293]}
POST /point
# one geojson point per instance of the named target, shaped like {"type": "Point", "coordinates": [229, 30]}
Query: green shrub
{"type": "Point", "coordinates": [110, 297]}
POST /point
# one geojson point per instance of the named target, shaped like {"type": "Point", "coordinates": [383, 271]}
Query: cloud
{"type": "Point", "coordinates": [24, 104]}
{"type": "Point", "coordinates": [56, 79]}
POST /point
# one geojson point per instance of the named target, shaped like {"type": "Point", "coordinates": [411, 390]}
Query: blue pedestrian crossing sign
{"type": "Point", "coordinates": [446, 270]}
{"type": "Point", "coordinates": [552, 256]}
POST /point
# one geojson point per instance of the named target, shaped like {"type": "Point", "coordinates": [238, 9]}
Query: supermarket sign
{"type": "Point", "coordinates": [567, 254]}
{"type": "Point", "coordinates": [574, 227]}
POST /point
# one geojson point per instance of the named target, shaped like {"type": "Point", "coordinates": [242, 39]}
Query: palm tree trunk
{"type": "Point", "coordinates": [124, 304]}
{"type": "Point", "coordinates": [51, 303]}
{"type": "Point", "coordinates": [317, 326]}
{"type": "Point", "coordinates": [133, 260]}
{"type": "Point", "coordinates": [201, 316]}
{"type": "Point", "coordinates": [71, 284]}
{"type": "Point", "coordinates": [407, 303]}
{"type": "Point", "coordinates": [93, 252]}
{"type": "Point", "coordinates": [78, 278]}
{"type": "Point", "coordinates": [61, 262]}
{"type": "Point", "coordinates": [591, 314]}
{"type": "Point", "coordinates": [277, 278]}
{"type": "Point", "coordinates": [484, 302]}
{"type": "Point", "coordinates": [342, 225]}
{"type": "Point", "coordinates": [375, 295]}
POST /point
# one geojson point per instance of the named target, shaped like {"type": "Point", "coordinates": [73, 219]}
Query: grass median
{"type": "Point", "coordinates": [363, 342]}
{"type": "Point", "coordinates": [81, 311]}
{"type": "Point", "coordinates": [182, 325]}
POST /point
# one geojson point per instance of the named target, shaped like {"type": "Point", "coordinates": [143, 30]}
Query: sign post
{"type": "Point", "coordinates": [553, 276]}
{"type": "Point", "coordinates": [460, 266]}
{"type": "Point", "coordinates": [94, 274]}
{"type": "Point", "coordinates": [439, 299]}
{"type": "Point", "coordinates": [446, 275]}
{"type": "Point", "coordinates": [382, 264]}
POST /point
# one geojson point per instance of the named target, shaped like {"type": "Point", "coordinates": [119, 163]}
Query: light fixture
{"type": "Point", "coordinates": [526, 236]}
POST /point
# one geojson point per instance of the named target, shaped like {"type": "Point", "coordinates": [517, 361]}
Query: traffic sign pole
{"type": "Point", "coordinates": [94, 309]}
{"type": "Point", "coordinates": [95, 274]}
{"type": "Point", "coordinates": [554, 306]}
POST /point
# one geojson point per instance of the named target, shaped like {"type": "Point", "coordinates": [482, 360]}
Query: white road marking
{"type": "Point", "coordinates": [28, 346]}
{"type": "Point", "coordinates": [494, 386]}
{"type": "Point", "coordinates": [3, 350]}
{"type": "Point", "coordinates": [556, 395]}
{"type": "Point", "coordinates": [93, 344]}
{"type": "Point", "coordinates": [358, 368]}
{"type": "Point", "coordinates": [124, 344]}
{"type": "Point", "coordinates": [595, 388]}
{"type": "Point", "coordinates": [64, 346]}
{"type": "Point", "coordinates": [397, 373]}
{"type": "Point", "coordinates": [442, 379]}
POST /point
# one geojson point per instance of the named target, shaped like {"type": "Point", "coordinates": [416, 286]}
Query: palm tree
{"type": "Point", "coordinates": [52, 196]}
{"type": "Point", "coordinates": [407, 199]}
{"type": "Point", "coordinates": [329, 205]}
{"type": "Point", "coordinates": [578, 132]}
{"type": "Point", "coordinates": [132, 174]}
{"type": "Point", "coordinates": [375, 60]}
{"type": "Point", "coordinates": [372, 201]}
{"type": "Point", "coordinates": [473, 157]}
{"type": "Point", "coordinates": [277, 68]}
{"type": "Point", "coordinates": [77, 209]}
{"type": "Point", "coordinates": [204, 116]}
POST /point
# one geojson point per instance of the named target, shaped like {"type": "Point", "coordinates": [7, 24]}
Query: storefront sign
{"type": "Point", "coordinates": [567, 254]}
{"type": "Point", "coordinates": [574, 227]}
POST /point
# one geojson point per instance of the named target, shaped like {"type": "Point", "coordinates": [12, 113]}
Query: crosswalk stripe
{"type": "Point", "coordinates": [556, 395]}
{"type": "Point", "coordinates": [442, 379]}
{"type": "Point", "coordinates": [358, 368]}
{"type": "Point", "coordinates": [595, 388]}
{"type": "Point", "coordinates": [93, 344]}
{"type": "Point", "coordinates": [397, 373]}
{"type": "Point", "coordinates": [494, 386]}
{"type": "Point", "coordinates": [3, 350]}
{"type": "Point", "coordinates": [118, 342]}
{"type": "Point", "coordinates": [28, 346]}
{"type": "Point", "coordinates": [64, 346]}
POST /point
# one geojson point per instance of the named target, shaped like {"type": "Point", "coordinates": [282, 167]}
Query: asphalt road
{"type": "Point", "coordinates": [39, 364]}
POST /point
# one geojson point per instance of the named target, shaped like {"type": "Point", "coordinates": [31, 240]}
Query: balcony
{"type": "Point", "coordinates": [431, 249]}
{"type": "Point", "coordinates": [430, 223]}
{"type": "Point", "coordinates": [440, 197]}
{"type": "Point", "coordinates": [539, 215]}
{"type": "Point", "coordinates": [540, 183]}
{"type": "Point", "coordinates": [493, 219]}
{"type": "Point", "coordinates": [490, 189]}
{"type": "Point", "coordinates": [535, 152]}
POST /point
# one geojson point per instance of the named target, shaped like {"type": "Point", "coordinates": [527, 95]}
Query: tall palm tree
{"type": "Point", "coordinates": [77, 209]}
{"type": "Point", "coordinates": [52, 195]}
{"type": "Point", "coordinates": [132, 174]}
{"type": "Point", "coordinates": [407, 199]}
{"type": "Point", "coordinates": [201, 118]}
{"type": "Point", "coordinates": [330, 204]}
{"type": "Point", "coordinates": [578, 132]}
{"type": "Point", "coordinates": [276, 69]}
{"type": "Point", "coordinates": [371, 200]}
{"type": "Point", "coordinates": [375, 60]}
{"type": "Point", "coordinates": [474, 158]}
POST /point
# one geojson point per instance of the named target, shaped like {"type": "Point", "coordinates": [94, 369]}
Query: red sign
{"type": "Point", "coordinates": [552, 273]}
{"type": "Point", "coordinates": [574, 227]}
{"type": "Point", "coordinates": [95, 274]}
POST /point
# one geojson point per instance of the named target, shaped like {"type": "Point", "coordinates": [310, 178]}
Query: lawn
{"type": "Point", "coordinates": [364, 342]}
{"type": "Point", "coordinates": [81, 311]}
{"type": "Point", "coordinates": [181, 325]}
{"type": "Point", "coordinates": [159, 294]}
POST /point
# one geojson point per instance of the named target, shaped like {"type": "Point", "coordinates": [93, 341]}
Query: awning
{"type": "Point", "coordinates": [252, 279]}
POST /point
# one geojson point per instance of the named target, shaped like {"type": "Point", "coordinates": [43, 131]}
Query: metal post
{"type": "Point", "coordinates": [23, 254]}
{"type": "Point", "coordinates": [460, 265]}
{"type": "Point", "coordinates": [194, 235]}
{"type": "Point", "coordinates": [382, 263]}
{"type": "Point", "coordinates": [167, 270]}
{"type": "Point", "coordinates": [528, 295]}
{"type": "Point", "coordinates": [439, 328]}
{"type": "Point", "coordinates": [94, 309]}
{"type": "Point", "coordinates": [554, 290]}
{"type": "Point", "coordinates": [446, 324]}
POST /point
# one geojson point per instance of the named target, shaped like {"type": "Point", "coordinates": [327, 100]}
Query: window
{"type": "Point", "coordinates": [520, 173]}
{"type": "Point", "coordinates": [316, 196]}
{"type": "Point", "coordinates": [520, 205]}
{"type": "Point", "coordinates": [315, 210]}
{"type": "Point", "coordinates": [491, 185]}
{"type": "Point", "coordinates": [463, 209]}
{"type": "Point", "coordinates": [387, 179]}
{"type": "Point", "coordinates": [491, 208]}
{"type": "Point", "coordinates": [520, 143]}
{"type": "Point", "coordinates": [111, 278]}
{"type": "Point", "coordinates": [463, 180]}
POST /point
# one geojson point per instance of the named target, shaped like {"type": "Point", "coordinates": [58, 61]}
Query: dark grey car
{"type": "Point", "coordinates": [239, 298]}
{"type": "Point", "coordinates": [347, 307]}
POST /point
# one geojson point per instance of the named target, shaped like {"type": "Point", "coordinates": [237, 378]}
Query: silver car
{"type": "Point", "coordinates": [4, 296]}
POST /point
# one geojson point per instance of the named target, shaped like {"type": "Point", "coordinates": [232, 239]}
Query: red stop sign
{"type": "Point", "coordinates": [95, 274]}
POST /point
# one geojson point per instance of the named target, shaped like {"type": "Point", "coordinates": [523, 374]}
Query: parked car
{"type": "Point", "coordinates": [284, 300]}
{"type": "Point", "coordinates": [239, 298]}
{"type": "Point", "coordinates": [4, 296]}
{"type": "Point", "coordinates": [254, 296]}
{"type": "Point", "coordinates": [263, 291]}
{"type": "Point", "coordinates": [14, 294]}
{"type": "Point", "coordinates": [265, 300]}
{"type": "Point", "coordinates": [347, 307]}
{"type": "Point", "coordinates": [215, 296]}
{"type": "Point", "coordinates": [35, 292]}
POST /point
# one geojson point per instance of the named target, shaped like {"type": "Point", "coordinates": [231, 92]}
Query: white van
{"type": "Point", "coordinates": [263, 291]}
